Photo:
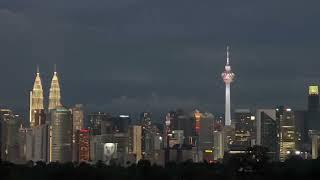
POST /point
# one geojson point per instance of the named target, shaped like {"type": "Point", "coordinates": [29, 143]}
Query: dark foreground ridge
{"type": "Point", "coordinates": [234, 168]}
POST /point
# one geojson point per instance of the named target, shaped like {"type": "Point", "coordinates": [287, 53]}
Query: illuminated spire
{"type": "Point", "coordinates": [54, 95]}
{"type": "Point", "coordinates": [37, 93]}
{"type": "Point", "coordinates": [228, 54]}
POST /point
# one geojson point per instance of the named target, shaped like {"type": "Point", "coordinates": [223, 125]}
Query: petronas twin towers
{"type": "Point", "coordinates": [37, 109]}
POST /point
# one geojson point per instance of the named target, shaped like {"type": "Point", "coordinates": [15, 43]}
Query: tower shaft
{"type": "Point", "coordinates": [228, 106]}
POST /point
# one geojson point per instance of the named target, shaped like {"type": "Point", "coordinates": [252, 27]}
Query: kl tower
{"type": "Point", "coordinates": [228, 77]}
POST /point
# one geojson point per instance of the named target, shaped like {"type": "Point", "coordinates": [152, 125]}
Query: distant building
{"type": "Point", "coordinates": [110, 147]}
{"type": "Point", "coordinates": [287, 133]}
{"type": "Point", "coordinates": [313, 98]}
{"type": "Point", "coordinates": [61, 135]}
{"type": "Point", "coordinates": [83, 145]}
{"type": "Point", "coordinates": [55, 93]}
{"type": "Point", "coordinates": [245, 131]}
{"type": "Point", "coordinates": [37, 114]}
{"type": "Point", "coordinates": [267, 131]}
{"type": "Point", "coordinates": [121, 123]}
{"type": "Point", "coordinates": [147, 134]}
{"type": "Point", "coordinates": [77, 124]}
{"type": "Point", "coordinates": [10, 125]}
{"type": "Point", "coordinates": [206, 136]}
{"type": "Point", "coordinates": [97, 125]}
{"type": "Point", "coordinates": [135, 139]}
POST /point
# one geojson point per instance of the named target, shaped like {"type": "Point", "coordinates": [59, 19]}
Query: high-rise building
{"type": "Point", "coordinates": [147, 135]}
{"type": "Point", "coordinates": [135, 137]}
{"type": "Point", "coordinates": [267, 131]}
{"type": "Point", "coordinates": [83, 138]}
{"type": "Point", "coordinates": [183, 121]}
{"type": "Point", "coordinates": [37, 114]}
{"type": "Point", "coordinates": [121, 123]}
{"type": "Point", "coordinates": [61, 135]}
{"type": "Point", "coordinates": [244, 122]}
{"type": "Point", "coordinates": [287, 133]}
{"type": "Point", "coordinates": [77, 117]}
{"type": "Point", "coordinates": [206, 136]}
{"type": "Point", "coordinates": [55, 94]}
{"type": "Point", "coordinates": [77, 124]}
{"type": "Point", "coordinates": [11, 123]}
{"type": "Point", "coordinates": [313, 98]}
{"type": "Point", "coordinates": [95, 122]}
{"type": "Point", "coordinates": [228, 77]}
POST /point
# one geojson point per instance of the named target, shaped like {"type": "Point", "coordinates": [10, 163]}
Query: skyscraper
{"type": "Point", "coordinates": [61, 135]}
{"type": "Point", "coordinates": [10, 135]}
{"type": "Point", "coordinates": [147, 134]}
{"type": "Point", "coordinates": [287, 133]}
{"type": "Point", "coordinates": [96, 120]}
{"type": "Point", "coordinates": [267, 131]}
{"type": "Point", "coordinates": [313, 98]}
{"type": "Point", "coordinates": [244, 128]}
{"type": "Point", "coordinates": [55, 94]}
{"type": "Point", "coordinates": [77, 124]}
{"type": "Point", "coordinates": [37, 114]}
{"type": "Point", "coordinates": [228, 77]}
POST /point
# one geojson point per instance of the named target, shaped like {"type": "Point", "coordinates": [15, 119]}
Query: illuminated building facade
{"type": "Point", "coordinates": [54, 94]}
{"type": "Point", "coordinates": [287, 133]}
{"type": "Point", "coordinates": [84, 145]}
{"type": "Point", "coordinates": [61, 135]}
{"type": "Point", "coordinates": [313, 98]}
{"type": "Point", "coordinates": [244, 122]}
{"type": "Point", "coordinates": [147, 134]}
{"type": "Point", "coordinates": [228, 77]}
{"type": "Point", "coordinates": [77, 124]}
{"type": "Point", "coordinates": [37, 114]}
{"type": "Point", "coordinates": [135, 137]}
{"type": "Point", "coordinates": [96, 120]}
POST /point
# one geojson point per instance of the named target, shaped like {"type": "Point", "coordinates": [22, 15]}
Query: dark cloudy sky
{"type": "Point", "coordinates": [137, 55]}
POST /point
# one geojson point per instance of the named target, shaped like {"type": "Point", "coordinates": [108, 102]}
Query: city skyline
{"type": "Point", "coordinates": [166, 62]}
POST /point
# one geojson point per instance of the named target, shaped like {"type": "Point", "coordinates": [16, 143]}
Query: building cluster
{"type": "Point", "coordinates": [55, 133]}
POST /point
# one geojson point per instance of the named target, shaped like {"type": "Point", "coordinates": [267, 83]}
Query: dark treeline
{"type": "Point", "coordinates": [234, 168]}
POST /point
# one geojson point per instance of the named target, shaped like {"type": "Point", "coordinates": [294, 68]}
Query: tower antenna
{"type": "Point", "coordinates": [228, 55]}
{"type": "Point", "coordinates": [55, 68]}
{"type": "Point", "coordinates": [38, 69]}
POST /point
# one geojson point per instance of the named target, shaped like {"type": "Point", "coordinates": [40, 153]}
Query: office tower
{"type": "Point", "coordinates": [95, 122]}
{"type": "Point", "coordinates": [313, 98]}
{"type": "Point", "coordinates": [228, 77]}
{"type": "Point", "coordinates": [55, 94]}
{"type": "Point", "coordinates": [61, 135]}
{"type": "Point", "coordinates": [147, 135]}
{"type": "Point", "coordinates": [83, 142]}
{"type": "Point", "coordinates": [219, 144]}
{"type": "Point", "coordinates": [121, 123]}
{"type": "Point", "coordinates": [313, 112]}
{"type": "Point", "coordinates": [135, 136]}
{"type": "Point", "coordinates": [77, 124]}
{"type": "Point", "coordinates": [206, 136]}
{"type": "Point", "coordinates": [77, 117]}
{"type": "Point", "coordinates": [10, 149]}
{"type": "Point", "coordinates": [287, 133]}
{"type": "Point", "coordinates": [183, 121]}
{"type": "Point", "coordinates": [244, 122]}
{"type": "Point", "coordinates": [37, 114]}
{"type": "Point", "coordinates": [197, 117]}
{"type": "Point", "coordinates": [267, 131]}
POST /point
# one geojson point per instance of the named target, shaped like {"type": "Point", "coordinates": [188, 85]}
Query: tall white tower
{"type": "Point", "coordinates": [228, 77]}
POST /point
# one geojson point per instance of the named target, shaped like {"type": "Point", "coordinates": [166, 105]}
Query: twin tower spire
{"type": "Point", "coordinates": [37, 97]}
